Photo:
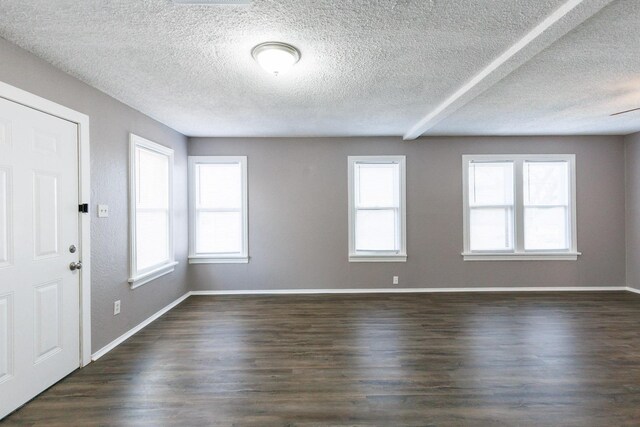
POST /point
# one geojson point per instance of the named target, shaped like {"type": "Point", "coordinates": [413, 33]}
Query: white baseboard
{"type": "Point", "coordinates": [410, 290]}
{"type": "Point", "coordinates": [113, 344]}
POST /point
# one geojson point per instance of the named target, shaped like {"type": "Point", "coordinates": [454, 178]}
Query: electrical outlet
{"type": "Point", "coordinates": [395, 280]}
{"type": "Point", "coordinates": [116, 307]}
{"type": "Point", "coordinates": [103, 211]}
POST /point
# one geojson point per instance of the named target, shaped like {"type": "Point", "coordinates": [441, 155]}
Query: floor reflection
{"type": "Point", "coordinates": [440, 359]}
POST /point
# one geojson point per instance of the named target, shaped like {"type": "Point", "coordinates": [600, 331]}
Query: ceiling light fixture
{"type": "Point", "coordinates": [276, 57]}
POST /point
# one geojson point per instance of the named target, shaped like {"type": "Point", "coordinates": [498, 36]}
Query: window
{"type": "Point", "coordinates": [377, 199]}
{"type": "Point", "coordinates": [218, 210]}
{"type": "Point", "coordinates": [151, 211]}
{"type": "Point", "coordinates": [519, 207]}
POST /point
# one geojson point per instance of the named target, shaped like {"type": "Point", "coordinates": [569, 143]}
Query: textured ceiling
{"type": "Point", "coordinates": [369, 67]}
{"type": "Point", "coordinates": [571, 88]}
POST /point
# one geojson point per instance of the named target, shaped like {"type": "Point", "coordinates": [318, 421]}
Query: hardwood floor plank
{"type": "Point", "coordinates": [474, 359]}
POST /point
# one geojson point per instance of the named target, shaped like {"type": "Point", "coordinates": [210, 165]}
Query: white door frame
{"type": "Point", "coordinates": [30, 100]}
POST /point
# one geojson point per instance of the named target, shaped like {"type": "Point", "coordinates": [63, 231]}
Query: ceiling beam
{"type": "Point", "coordinates": [567, 17]}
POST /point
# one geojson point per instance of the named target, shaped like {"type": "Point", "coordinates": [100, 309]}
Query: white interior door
{"type": "Point", "coordinates": [39, 293]}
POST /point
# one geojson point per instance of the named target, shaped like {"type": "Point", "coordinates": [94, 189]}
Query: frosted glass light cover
{"type": "Point", "coordinates": [275, 57]}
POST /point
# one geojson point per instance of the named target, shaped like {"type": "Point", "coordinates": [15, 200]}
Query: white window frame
{"type": "Point", "coordinates": [378, 256]}
{"type": "Point", "coordinates": [519, 253]}
{"type": "Point", "coordinates": [217, 258]}
{"type": "Point", "coordinates": [139, 278]}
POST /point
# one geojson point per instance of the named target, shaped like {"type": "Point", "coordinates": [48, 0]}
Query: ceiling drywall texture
{"type": "Point", "coordinates": [369, 67]}
{"type": "Point", "coordinates": [570, 88]}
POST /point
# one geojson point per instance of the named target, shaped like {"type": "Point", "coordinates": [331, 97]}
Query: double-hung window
{"type": "Point", "coordinates": [377, 199]}
{"type": "Point", "coordinates": [151, 210]}
{"type": "Point", "coordinates": [519, 207]}
{"type": "Point", "coordinates": [218, 209]}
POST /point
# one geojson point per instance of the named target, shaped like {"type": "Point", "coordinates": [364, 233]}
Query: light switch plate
{"type": "Point", "coordinates": [103, 211]}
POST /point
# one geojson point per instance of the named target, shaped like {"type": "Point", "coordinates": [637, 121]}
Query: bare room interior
{"type": "Point", "coordinates": [320, 213]}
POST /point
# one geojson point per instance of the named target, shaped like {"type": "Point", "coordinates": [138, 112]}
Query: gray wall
{"type": "Point", "coordinates": [298, 208]}
{"type": "Point", "coordinates": [632, 158]}
{"type": "Point", "coordinates": [111, 122]}
{"type": "Point", "coordinates": [298, 215]}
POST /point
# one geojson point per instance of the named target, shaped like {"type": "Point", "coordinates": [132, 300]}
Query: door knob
{"type": "Point", "coordinates": [75, 266]}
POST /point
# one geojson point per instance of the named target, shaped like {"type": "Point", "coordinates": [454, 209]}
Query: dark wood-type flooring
{"type": "Point", "coordinates": [476, 359]}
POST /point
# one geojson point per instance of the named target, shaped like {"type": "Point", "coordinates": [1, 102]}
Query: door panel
{"type": "Point", "coordinates": [45, 214]}
{"type": "Point", "coordinates": [45, 143]}
{"type": "Point", "coordinates": [39, 294]}
{"type": "Point", "coordinates": [5, 131]}
{"type": "Point", "coordinates": [6, 347]}
{"type": "Point", "coordinates": [5, 209]}
{"type": "Point", "coordinates": [48, 333]}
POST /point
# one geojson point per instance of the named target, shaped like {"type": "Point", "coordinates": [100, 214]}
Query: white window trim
{"type": "Point", "coordinates": [378, 256]}
{"type": "Point", "coordinates": [195, 258]}
{"type": "Point", "coordinates": [519, 254]}
{"type": "Point", "coordinates": [139, 278]}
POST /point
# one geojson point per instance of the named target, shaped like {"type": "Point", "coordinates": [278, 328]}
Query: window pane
{"type": "Point", "coordinates": [546, 183]}
{"type": "Point", "coordinates": [152, 238]}
{"type": "Point", "coordinates": [376, 230]}
{"type": "Point", "coordinates": [490, 183]}
{"type": "Point", "coordinates": [491, 229]}
{"type": "Point", "coordinates": [219, 185]}
{"type": "Point", "coordinates": [219, 232]}
{"type": "Point", "coordinates": [153, 179]}
{"type": "Point", "coordinates": [377, 185]}
{"type": "Point", "coordinates": [546, 229]}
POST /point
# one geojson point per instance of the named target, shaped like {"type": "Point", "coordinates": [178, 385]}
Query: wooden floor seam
{"type": "Point", "coordinates": [504, 359]}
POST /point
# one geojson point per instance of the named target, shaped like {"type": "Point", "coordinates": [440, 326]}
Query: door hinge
{"type": "Point", "coordinates": [83, 208]}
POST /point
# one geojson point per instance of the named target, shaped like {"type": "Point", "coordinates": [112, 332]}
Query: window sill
{"type": "Point", "coordinates": [142, 279]}
{"type": "Point", "coordinates": [222, 260]}
{"type": "Point", "coordinates": [377, 258]}
{"type": "Point", "coordinates": [549, 256]}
